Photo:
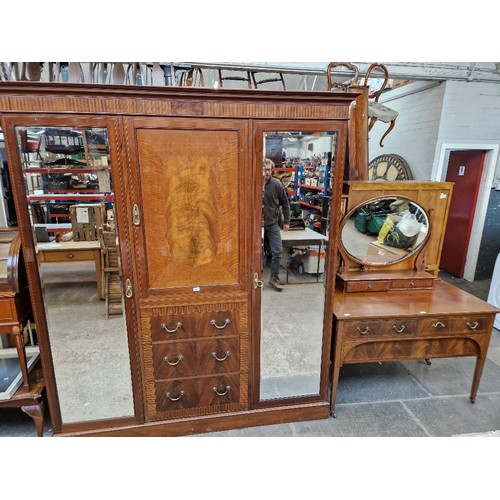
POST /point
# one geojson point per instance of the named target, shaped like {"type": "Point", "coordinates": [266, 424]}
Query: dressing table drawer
{"type": "Point", "coordinates": [374, 329]}
{"type": "Point", "coordinates": [432, 326]}
{"type": "Point", "coordinates": [472, 324]}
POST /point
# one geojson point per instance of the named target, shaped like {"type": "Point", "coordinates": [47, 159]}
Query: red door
{"type": "Point", "coordinates": [464, 169]}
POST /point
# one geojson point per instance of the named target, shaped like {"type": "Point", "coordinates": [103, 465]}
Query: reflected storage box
{"type": "Point", "coordinates": [86, 219]}
{"type": "Point", "coordinates": [310, 260]}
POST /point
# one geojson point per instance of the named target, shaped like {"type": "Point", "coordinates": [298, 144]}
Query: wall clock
{"type": "Point", "coordinates": [389, 167]}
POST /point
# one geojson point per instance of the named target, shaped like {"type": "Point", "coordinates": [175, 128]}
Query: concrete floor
{"type": "Point", "coordinates": [402, 399]}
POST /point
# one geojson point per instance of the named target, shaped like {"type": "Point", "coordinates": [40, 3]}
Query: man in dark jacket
{"type": "Point", "coordinates": [275, 201]}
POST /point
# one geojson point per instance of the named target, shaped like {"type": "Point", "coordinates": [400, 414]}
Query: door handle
{"type": "Point", "coordinates": [128, 289]}
{"type": "Point", "coordinates": [257, 283]}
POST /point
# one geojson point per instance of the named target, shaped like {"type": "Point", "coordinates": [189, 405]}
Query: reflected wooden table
{"type": "Point", "coordinates": [303, 237]}
{"type": "Point", "coordinates": [30, 401]}
{"type": "Point", "coordinates": [70, 251]}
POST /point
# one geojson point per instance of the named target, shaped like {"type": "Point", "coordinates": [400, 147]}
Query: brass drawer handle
{"type": "Point", "coordinates": [439, 324]}
{"type": "Point", "coordinates": [165, 327]}
{"type": "Point", "coordinates": [179, 359]}
{"type": "Point", "coordinates": [228, 388]}
{"type": "Point", "coordinates": [364, 331]}
{"type": "Point", "coordinates": [214, 354]}
{"type": "Point", "coordinates": [474, 326]}
{"type": "Point", "coordinates": [70, 255]}
{"type": "Point", "coordinates": [399, 329]}
{"type": "Point", "coordinates": [220, 327]}
{"type": "Point", "coordinates": [172, 398]}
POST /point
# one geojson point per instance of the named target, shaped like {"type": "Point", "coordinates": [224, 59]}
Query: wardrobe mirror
{"type": "Point", "coordinates": [292, 319]}
{"type": "Point", "coordinates": [384, 230]}
{"type": "Point", "coordinates": [69, 190]}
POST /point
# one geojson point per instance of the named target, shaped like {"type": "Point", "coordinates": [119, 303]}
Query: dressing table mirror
{"type": "Point", "coordinates": [382, 246]}
{"type": "Point", "coordinates": [376, 259]}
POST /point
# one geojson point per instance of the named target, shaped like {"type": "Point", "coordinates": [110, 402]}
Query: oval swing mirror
{"type": "Point", "coordinates": [384, 231]}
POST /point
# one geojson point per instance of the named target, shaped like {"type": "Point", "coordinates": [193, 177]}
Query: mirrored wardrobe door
{"type": "Point", "coordinates": [292, 311]}
{"type": "Point", "coordinates": [69, 192]}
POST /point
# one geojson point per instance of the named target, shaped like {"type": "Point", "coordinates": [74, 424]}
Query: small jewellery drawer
{"type": "Point", "coordinates": [367, 286]}
{"type": "Point", "coordinates": [412, 284]}
{"type": "Point", "coordinates": [202, 324]}
{"type": "Point", "coordinates": [469, 324]}
{"type": "Point", "coordinates": [200, 357]}
{"type": "Point", "coordinates": [436, 326]}
{"type": "Point", "coordinates": [382, 328]}
{"type": "Point", "coordinates": [197, 392]}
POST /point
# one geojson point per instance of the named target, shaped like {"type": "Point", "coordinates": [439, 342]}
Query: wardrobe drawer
{"type": "Point", "coordinates": [199, 324]}
{"type": "Point", "coordinates": [201, 357]}
{"type": "Point", "coordinates": [173, 327]}
{"type": "Point", "coordinates": [197, 392]}
{"type": "Point", "coordinates": [380, 328]}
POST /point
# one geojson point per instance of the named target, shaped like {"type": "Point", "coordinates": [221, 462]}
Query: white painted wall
{"type": "Point", "coordinates": [417, 127]}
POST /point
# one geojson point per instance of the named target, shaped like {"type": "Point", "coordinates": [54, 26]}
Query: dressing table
{"type": "Point", "coordinates": [396, 308]}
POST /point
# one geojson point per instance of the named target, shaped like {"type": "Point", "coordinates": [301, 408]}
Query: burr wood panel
{"type": "Point", "coordinates": [189, 193]}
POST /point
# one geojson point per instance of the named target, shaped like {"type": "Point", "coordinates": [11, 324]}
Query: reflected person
{"type": "Point", "coordinates": [275, 202]}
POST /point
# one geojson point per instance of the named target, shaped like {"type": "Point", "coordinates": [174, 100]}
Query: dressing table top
{"type": "Point", "coordinates": [443, 299]}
